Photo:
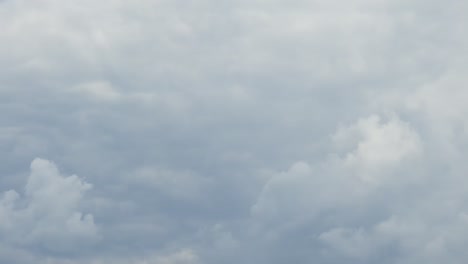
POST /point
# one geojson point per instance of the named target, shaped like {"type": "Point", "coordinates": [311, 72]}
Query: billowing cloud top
{"type": "Point", "coordinates": [266, 132]}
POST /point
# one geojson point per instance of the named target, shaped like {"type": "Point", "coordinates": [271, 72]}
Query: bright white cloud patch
{"type": "Point", "coordinates": [47, 214]}
{"type": "Point", "coordinates": [378, 146]}
{"type": "Point", "coordinates": [377, 152]}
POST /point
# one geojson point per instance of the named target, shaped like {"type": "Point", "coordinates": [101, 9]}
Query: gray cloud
{"type": "Point", "coordinates": [233, 131]}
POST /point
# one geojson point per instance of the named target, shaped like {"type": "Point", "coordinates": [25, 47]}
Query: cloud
{"type": "Point", "coordinates": [185, 256]}
{"type": "Point", "coordinates": [233, 131]}
{"type": "Point", "coordinates": [178, 185]}
{"type": "Point", "coordinates": [379, 146]}
{"type": "Point", "coordinates": [99, 90]}
{"type": "Point", "coordinates": [378, 152]}
{"type": "Point", "coordinates": [370, 202]}
{"type": "Point", "coordinates": [47, 214]}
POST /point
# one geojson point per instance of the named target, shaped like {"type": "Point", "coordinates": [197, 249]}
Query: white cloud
{"type": "Point", "coordinates": [47, 214]}
{"type": "Point", "coordinates": [375, 196]}
{"type": "Point", "coordinates": [376, 154]}
{"type": "Point", "coordinates": [380, 146]}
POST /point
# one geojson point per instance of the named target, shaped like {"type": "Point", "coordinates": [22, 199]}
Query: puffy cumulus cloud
{"type": "Point", "coordinates": [378, 152]}
{"type": "Point", "coordinates": [47, 215]}
{"type": "Point", "coordinates": [377, 200]}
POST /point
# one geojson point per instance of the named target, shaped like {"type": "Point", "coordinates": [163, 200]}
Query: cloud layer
{"type": "Point", "coordinates": [233, 131]}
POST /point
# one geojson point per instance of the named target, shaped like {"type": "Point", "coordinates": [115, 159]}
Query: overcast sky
{"type": "Point", "coordinates": [227, 132]}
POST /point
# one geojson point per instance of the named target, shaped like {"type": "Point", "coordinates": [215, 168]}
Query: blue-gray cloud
{"type": "Point", "coordinates": [233, 131]}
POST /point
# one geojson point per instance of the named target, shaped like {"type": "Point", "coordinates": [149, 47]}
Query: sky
{"type": "Point", "coordinates": [222, 132]}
